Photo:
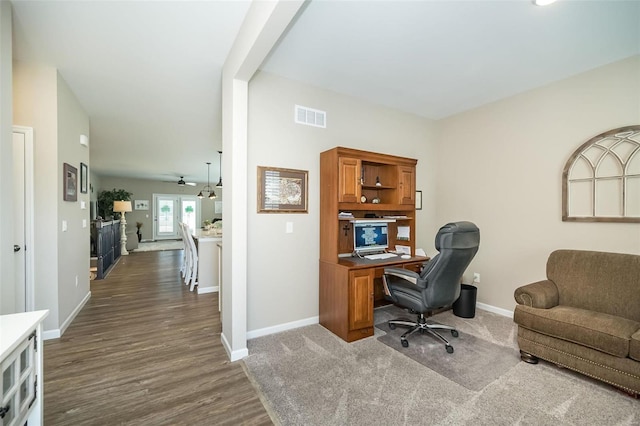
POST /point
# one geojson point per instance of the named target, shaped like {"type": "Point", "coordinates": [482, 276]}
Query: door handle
{"type": "Point", "coordinates": [16, 248]}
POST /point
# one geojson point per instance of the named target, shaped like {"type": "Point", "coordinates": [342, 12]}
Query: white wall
{"type": "Point", "coordinates": [7, 293]}
{"type": "Point", "coordinates": [35, 105]}
{"type": "Point", "coordinates": [43, 101]}
{"type": "Point", "coordinates": [282, 284]}
{"type": "Point", "coordinates": [143, 189]}
{"type": "Point", "coordinates": [73, 244]}
{"type": "Point", "coordinates": [501, 165]}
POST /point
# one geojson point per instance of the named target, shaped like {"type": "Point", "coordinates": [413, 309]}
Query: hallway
{"type": "Point", "coordinates": [146, 351]}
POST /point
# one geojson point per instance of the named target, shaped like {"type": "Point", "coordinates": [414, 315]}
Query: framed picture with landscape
{"type": "Point", "coordinates": [282, 190]}
{"type": "Point", "coordinates": [69, 182]}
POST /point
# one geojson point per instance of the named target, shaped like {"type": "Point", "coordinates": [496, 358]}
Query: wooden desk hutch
{"type": "Point", "coordinates": [350, 180]}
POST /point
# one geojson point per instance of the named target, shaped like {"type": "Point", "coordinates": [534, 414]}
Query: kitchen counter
{"type": "Point", "coordinates": [207, 245]}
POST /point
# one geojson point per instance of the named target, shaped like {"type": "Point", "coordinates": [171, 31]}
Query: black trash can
{"type": "Point", "coordinates": [465, 306]}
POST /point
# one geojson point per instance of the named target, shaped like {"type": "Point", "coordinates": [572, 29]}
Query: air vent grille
{"type": "Point", "coordinates": [310, 116]}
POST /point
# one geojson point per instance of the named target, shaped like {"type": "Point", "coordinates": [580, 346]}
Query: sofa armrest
{"type": "Point", "coordinates": [541, 294]}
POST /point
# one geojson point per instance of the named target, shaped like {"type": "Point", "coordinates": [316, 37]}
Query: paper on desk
{"type": "Point", "coordinates": [403, 233]}
{"type": "Point", "coordinates": [403, 249]}
{"type": "Point", "coordinates": [420, 252]}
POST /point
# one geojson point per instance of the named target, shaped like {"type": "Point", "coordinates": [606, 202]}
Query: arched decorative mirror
{"type": "Point", "coordinates": [601, 180]}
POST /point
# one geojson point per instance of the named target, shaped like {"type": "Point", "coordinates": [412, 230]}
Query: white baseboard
{"type": "Point", "coordinates": [51, 334]}
{"type": "Point", "coordinates": [204, 290]}
{"type": "Point", "coordinates": [495, 310]}
{"type": "Point", "coordinates": [233, 355]}
{"type": "Point", "coordinates": [57, 333]}
{"type": "Point", "coordinates": [282, 327]}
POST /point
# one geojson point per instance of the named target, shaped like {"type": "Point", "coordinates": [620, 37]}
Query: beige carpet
{"type": "Point", "coordinates": [308, 376]}
{"type": "Point", "coordinates": [474, 364]}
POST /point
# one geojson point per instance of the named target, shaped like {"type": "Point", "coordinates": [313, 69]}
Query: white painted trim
{"type": "Point", "coordinates": [29, 221]}
{"type": "Point", "coordinates": [233, 355]}
{"type": "Point", "coordinates": [58, 332]}
{"type": "Point", "coordinates": [204, 290]}
{"type": "Point", "coordinates": [51, 334]}
{"type": "Point", "coordinates": [263, 25]}
{"type": "Point", "coordinates": [282, 327]}
{"type": "Point", "coordinates": [495, 310]}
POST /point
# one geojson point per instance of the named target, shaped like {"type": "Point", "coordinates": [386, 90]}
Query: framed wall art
{"type": "Point", "coordinates": [69, 182]}
{"type": "Point", "coordinates": [282, 190]}
{"type": "Point", "coordinates": [141, 204]}
{"type": "Point", "coordinates": [84, 178]}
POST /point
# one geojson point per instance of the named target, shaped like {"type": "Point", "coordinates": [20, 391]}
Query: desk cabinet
{"type": "Point", "coordinates": [350, 290]}
{"type": "Point", "coordinates": [366, 184]}
{"type": "Point", "coordinates": [349, 180]}
{"type": "Point", "coordinates": [361, 299]}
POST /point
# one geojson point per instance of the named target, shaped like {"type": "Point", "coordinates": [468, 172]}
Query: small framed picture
{"type": "Point", "coordinates": [70, 182]}
{"type": "Point", "coordinates": [141, 204]}
{"type": "Point", "coordinates": [282, 190]}
{"type": "Point", "coordinates": [418, 200]}
{"type": "Point", "coordinates": [84, 178]}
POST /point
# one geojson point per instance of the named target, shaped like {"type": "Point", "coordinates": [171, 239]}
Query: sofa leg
{"type": "Point", "coordinates": [528, 358]}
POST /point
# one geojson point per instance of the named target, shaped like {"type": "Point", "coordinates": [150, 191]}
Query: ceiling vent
{"type": "Point", "coordinates": [310, 116]}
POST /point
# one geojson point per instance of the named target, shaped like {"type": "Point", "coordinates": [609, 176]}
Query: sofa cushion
{"type": "Point", "coordinates": [597, 281]}
{"type": "Point", "coordinates": [634, 348]}
{"type": "Point", "coordinates": [603, 332]}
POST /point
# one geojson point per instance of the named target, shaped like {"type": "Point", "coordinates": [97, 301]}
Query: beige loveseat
{"type": "Point", "coordinates": [585, 316]}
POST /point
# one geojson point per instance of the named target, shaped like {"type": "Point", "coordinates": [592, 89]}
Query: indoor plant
{"type": "Point", "coordinates": [106, 199]}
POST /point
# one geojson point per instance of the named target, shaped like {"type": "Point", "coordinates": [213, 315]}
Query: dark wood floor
{"type": "Point", "coordinates": [146, 351]}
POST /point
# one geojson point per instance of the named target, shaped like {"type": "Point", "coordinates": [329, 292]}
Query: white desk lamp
{"type": "Point", "coordinates": [122, 207]}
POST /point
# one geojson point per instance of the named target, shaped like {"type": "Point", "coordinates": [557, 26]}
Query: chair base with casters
{"type": "Point", "coordinates": [423, 326]}
{"type": "Point", "coordinates": [437, 286]}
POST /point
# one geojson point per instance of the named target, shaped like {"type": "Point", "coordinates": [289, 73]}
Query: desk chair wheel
{"type": "Point", "coordinates": [449, 349]}
{"type": "Point", "coordinates": [454, 333]}
{"type": "Point", "coordinates": [392, 326]}
{"type": "Point", "coordinates": [405, 342]}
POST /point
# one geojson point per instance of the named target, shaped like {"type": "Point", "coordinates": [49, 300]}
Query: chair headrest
{"type": "Point", "coordinates": [458, 235]}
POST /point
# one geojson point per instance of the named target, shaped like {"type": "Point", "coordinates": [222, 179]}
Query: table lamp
{"type": "Point", "coordinates": [122, 207]}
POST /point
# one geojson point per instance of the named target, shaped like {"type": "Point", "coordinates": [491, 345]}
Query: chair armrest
{"type": "Point", "coordinates": [541, 294]}
{"type": "Point", "coordinates": [403, 274]}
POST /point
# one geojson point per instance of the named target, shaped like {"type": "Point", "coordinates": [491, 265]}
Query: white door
{"type": "Point", "coordinates": [169, 209]}
{"type": "Point", "coordinates": [190, 211]}
{"type": "Point", "coordinates": [23, 217]}
{"type": "Point", "coordinates": [165, 217]}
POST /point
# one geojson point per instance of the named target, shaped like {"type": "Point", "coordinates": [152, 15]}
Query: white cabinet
{"type": "Point", "coordinates": [21, 367]}
{"type": "Point", "coordinates": [207, 261]}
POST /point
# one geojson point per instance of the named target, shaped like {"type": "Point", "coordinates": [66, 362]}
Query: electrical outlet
{"type": "Point", "coordinates": [476, 277]}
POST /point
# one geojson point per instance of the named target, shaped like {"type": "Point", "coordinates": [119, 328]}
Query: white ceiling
{"type": "Point", "coordinates": [149, 73]}
{"type": "Point", "coordinates": [438, 58]}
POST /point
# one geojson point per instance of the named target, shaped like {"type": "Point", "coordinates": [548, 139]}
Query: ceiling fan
{"type": "Point", "coordinates": [181, 182]}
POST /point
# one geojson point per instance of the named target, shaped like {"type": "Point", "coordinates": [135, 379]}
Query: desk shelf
{"type": "Point", "coordinates": [349, 289]}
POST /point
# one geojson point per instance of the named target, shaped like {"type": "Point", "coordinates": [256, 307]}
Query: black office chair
{"type": "Point", "coordinates": [438, 285]}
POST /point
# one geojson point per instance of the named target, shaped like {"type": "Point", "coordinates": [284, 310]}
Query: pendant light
{"type": "Point", "coordinates": [219, 185]}
{"type": "Point", "coordinates": [208, 189]}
